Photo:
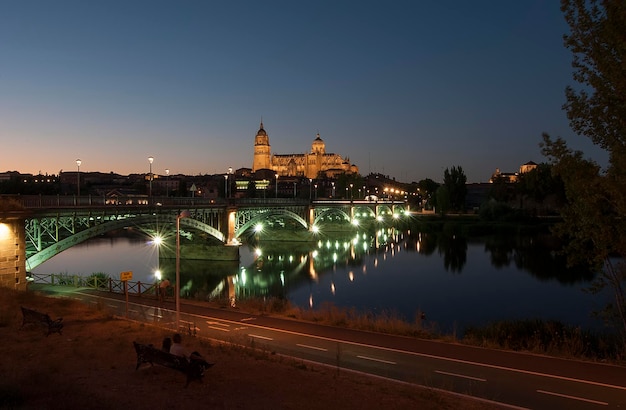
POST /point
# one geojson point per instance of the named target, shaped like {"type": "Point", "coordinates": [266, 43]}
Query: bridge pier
{"type": "Point", "coordinates": [12, 253]}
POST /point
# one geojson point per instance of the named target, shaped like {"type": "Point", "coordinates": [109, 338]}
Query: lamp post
{"type": "Point", "coordinates": [230, 172]}
{"type": "Point", "coordinates": [78, 162]}
{"type": "Point", "coordinates": [276, 185]}
{"type": "Point", "coordinates": [226, 186]}
{"type": "Point", "coordinates": [157, 241]}
{"type": "Point", "coordinates": [316, 191]}
{"type": "Point", "coordinates": [351, 185]}
{"type": "Point", "coordinates": [150, 160]}
{"type": "Point", "coordinates": [167, 184]}
{"type": "Point", "coordinates": [184, 214]}
{"type": "Point", "coordinates": [310, 187]}
{"type": "Point", "coordinates": [333, 184]}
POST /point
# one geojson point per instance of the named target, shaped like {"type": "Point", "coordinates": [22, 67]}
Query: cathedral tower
{"type": "Point", "coordinates": [261, 150]}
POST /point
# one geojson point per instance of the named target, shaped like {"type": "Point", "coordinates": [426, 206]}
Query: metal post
{"type": "Point", "coordinates": [150, 160]}
{"type": "Point", "coordinates": [78, 162]}
{"type": "Point", "coordinates": [183, 214]}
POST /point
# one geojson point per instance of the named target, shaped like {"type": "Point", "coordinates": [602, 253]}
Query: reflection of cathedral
{"type": "Point", "coordinates": [305, 165]}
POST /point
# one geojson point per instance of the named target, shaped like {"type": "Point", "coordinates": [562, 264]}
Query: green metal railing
{"type": "Point", "coordinates": [93, 282]}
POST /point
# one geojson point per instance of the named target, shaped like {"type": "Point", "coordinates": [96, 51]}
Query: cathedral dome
{"type": "Point", "coordinates": [318, 145]}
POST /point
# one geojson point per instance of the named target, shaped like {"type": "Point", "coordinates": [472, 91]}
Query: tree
{"type": "Point", "coordinates": [594, 220]}
{"type": "Point", "coordinates": [454, 180]}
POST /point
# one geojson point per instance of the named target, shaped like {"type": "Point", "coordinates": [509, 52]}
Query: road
{"type": "Point", "coordinates": [512, 379]}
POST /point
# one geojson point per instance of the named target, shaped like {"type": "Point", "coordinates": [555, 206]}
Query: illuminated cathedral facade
{"type": "Point", "coordinates": [309, 165]}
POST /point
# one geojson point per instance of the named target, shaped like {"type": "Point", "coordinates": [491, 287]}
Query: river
{"type": "Point", "coordinates": [454, 282]}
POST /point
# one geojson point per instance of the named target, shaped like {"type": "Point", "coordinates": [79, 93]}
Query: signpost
{"type": "Point", "coordinates": [125, 277]}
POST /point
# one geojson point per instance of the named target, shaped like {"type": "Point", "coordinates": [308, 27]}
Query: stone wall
{"type": "Point", "coordinates": [12, 254]}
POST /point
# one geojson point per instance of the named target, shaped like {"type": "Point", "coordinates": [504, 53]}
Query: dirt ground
{"type": "Point", "coordinates": [92, 365]}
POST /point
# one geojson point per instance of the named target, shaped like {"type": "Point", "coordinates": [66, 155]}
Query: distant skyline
{"type": "Point", "coordinates": [402, 88]}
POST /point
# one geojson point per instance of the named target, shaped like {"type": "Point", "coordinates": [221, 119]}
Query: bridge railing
{"type": "Point", "coordinates": [93, 282]}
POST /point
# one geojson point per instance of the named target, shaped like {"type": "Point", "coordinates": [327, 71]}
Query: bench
{"type": "Point", "coordinates": [193, 369]}
{"type": "Point", "coordinates": [41, 319]}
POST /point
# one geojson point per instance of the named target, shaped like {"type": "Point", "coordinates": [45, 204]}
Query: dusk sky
{"type": "Point", "coordinates": [403, 88]}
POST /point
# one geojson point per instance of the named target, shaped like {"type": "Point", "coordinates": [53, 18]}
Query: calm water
{"type": "Point", "coordinates": [455, 282]}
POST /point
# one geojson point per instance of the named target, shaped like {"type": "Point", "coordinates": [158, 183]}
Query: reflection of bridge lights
{"type": "Point", "coordinates": [282, 277]}
{"type": "Point", "coordinates": [351, 276]}
{"type": "Point", "coordinates": [258, 252]}
{"type": "Point", "coordinates": [334, 257]}
{"type": "Point", "coordinates": [314, 254]}
{"type": "Point", "coordinates": [311, 300]}
{"type": "Point", "coordinates": [290, 258]}
{"type": "Point", "coordinates": [396, 216]}
{"type": "Point", "coordinates": [332, 288]}
{"type": "Point", "coordinates": [365, 246]}
{"type": "Point", "coordinates": [379, 218]}
{"type": "Point", "coordinates": [355, 222]}
{"type": "Point", "coordinates": [243, 276]}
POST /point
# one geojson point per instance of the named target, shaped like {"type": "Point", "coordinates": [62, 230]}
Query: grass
{"type": "Point", "coordinates": [533, 335]}
{"type": "Point", "coordinates": [92, 365]}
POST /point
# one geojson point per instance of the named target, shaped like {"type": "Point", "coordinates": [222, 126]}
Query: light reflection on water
{"type": "Point", "coordinates": [455, 282]}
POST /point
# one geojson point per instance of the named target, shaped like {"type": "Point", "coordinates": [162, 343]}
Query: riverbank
{"type": "Point", "coordinates": [92, 365]}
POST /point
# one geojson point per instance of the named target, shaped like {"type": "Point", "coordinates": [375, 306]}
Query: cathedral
{"type": "Point", "coordinates": [308, 165]}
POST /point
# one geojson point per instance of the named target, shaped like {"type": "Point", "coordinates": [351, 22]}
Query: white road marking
{"type": "Point", "coordinates": [376, 360]}
{"type": "Point", "coordinates": [219, 328]}
{"type": "Point", "coordinates": [210, 322]}
{"type": "Point", "coordinates": [573, 397]}
{"type": "Point", "coordinates": [312, 347]}
{"type": "Point", "coordinates": [461, 375]}
{"type": "Point", "coordinates": [259, 337]}
{"type": "Point", "coordinates": [246, 319]}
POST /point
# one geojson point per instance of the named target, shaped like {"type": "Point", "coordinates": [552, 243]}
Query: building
{"type": "Point", "coordinates": [308, 165]}
{"type": "Point", "coordinates": [511, 177]}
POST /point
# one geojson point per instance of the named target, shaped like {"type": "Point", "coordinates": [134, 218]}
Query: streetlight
{"type": "Point", "coordinates": [167, 185]}
{"type": "Point", "coordinates": [351, 185]}
{"type": "Point", "coordinates": [78, 162]}
{"type": "Point", "coordinates": [184, 214]}
{"type": "Point", "coordinates": [315, 191]}
{"type": "Point", "coordinates": [310, 187]}
{"type": "Point", "coordinates": [333, 184]}
{"type": "Point", "coordinates": [230, 172]}
{"type": "Point", "coordinates": [226, 186]}
{"type": "Point", "coordinates": [150, 160]}
{"type": "Point", "coordinates": [276, 185]}
{"type": "Point", "coordinates": [157, 241]}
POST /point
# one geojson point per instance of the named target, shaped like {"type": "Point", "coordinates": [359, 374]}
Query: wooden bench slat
{"type": "Point", "coordinates": [194, 370]}
{"type": "Point", "coordinates": [38, 318]}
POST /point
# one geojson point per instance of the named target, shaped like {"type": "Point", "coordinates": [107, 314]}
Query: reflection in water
{"type": "Point", "coordinates": [452, 278]}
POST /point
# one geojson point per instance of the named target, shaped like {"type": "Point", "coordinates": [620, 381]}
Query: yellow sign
{"type": "Point", "coordinates": [126, 275]}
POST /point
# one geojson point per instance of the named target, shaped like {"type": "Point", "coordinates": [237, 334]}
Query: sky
{"type": "Point", "coordinates": [402, 88]}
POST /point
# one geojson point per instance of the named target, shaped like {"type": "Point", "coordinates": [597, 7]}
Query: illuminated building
{"type": "Point", "coordinates": [308, 165]}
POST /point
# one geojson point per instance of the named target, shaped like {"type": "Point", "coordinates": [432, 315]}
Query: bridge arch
{"type": "Point", "coordinates": [48, 252]}
{"type": "Point", "coordinates": [259, 217]}
{"type": "Point", "coordinates": [331, 213]}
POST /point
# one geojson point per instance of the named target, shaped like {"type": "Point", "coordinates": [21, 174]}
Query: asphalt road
{"type": "Point", "coordinates": [515, 380]}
